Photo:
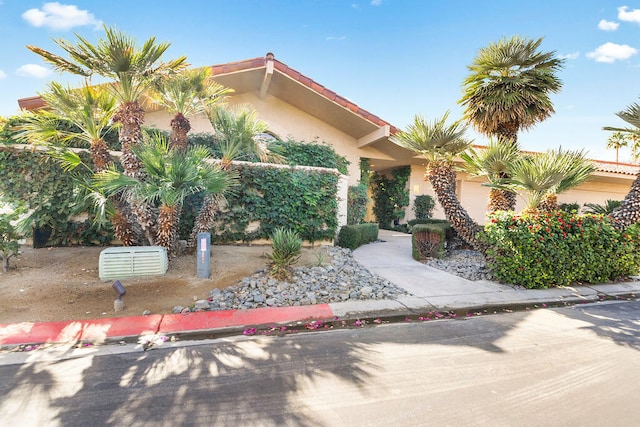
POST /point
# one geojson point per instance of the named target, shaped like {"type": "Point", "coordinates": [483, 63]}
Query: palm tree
{"type": "Point", "coordinates": [494, 163]}
{"type": "Point", "coordinates": [185, 95]}
{"type": "Point", "coordinates": [133, 70]}
{"type": "Point", "coordinates": [606, 209]}
{"type": "Point", "coordinates": [439, 143]}
{"type": "Point", "coordinates": [617, 140]}
{"type": "Point", "coordinates": [509, 86]}
{"type": "Point", "coordinates": [131, 67]}
{"type": "Point", "coordinates": [169, 177]}
{"type": "Point", "coordinates": [542, 176]}
{"type": "Point", "coordinates": [90, 109]}
{"type": "Point", "coordinates": [237, 132]}
{"type": "Point", "coordinates": [629, 211]}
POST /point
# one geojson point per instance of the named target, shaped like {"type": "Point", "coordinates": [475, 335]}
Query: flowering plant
{"type": "Point", "coordinates": [539, 250]}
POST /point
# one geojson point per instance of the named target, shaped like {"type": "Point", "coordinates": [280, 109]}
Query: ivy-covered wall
{"type": "Point", "coordinates": [301, 199]}
{"type": "Point", "coordinates": [36, 180]}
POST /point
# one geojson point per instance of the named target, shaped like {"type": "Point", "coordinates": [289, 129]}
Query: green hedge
{"type": "Point", "coordinates": [36, 180]}
{"type": "Point", "coordinates": [428, 240]}
{"type": "Point", "coordinates": [270, 197]}
{"type": "Point", "coordinates": [353, 236]}
{"type": "Point", "coordinates": [559, 249]}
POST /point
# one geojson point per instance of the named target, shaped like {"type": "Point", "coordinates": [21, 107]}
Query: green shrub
{"type": "Point", "coordinates": [559, 248]}
{"type": "Point", "coordinates": [569, 207]}
{"type": "Point", "coordinates": [357, 200]}
{"type": "Point", "coordinates": [316, 154]}
{"type": "Point", "coordinates": [286, 248]}
{"type": "Point", "coordinates": [353, 236]}
{"type": "Point", "coordinates": [8, 240]}
{"type": "Point", "coordinates": [270, 197]}
{"type": "Point", "coordinates": [390, 195]}
{"type": "Point", "coordinates": [423, 206]}
{"type": "Point", "coordinates": [428, 240]}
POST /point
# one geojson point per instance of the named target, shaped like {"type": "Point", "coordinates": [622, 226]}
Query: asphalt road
{"type": "Point", "coordinates": [576, 366]}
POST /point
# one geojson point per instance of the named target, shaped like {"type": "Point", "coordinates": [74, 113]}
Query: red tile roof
{"type": "Point", "coordinates": [248, 64]}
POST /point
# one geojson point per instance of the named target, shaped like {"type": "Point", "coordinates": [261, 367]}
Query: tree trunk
{"type": "Point", "coordinates": [629, 210]}
{"type": "Point", "coordinates": [100, 155]}
{"type": "Point", "coordinates": [443, 180]}
{"type": "Point", "coordinates": [180, 126]}
{"type": "Point", "coordinates": [167, 235]}
{"type": "Point", "coordinates": [501, 200]}
{"type": "Point", "coordinates": [130, 116]}
{"type": "Point", "coordinates": [5, 263]}
{"type": "Point", "coordinates": [205, 218]}
{"type": "Point", "coordinates": [123, 227]}
{"type": "Point", "coordinates": [549, 203]}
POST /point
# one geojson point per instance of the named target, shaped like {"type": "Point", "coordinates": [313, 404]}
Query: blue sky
{"type": "Point", "coordinates": [394, 58]}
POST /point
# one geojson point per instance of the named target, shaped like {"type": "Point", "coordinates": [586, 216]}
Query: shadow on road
{"type": "Point", "coordinates": [224, 383]}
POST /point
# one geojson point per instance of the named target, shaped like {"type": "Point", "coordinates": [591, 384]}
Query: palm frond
{"type": "Point", "coordinates": [436, 141]}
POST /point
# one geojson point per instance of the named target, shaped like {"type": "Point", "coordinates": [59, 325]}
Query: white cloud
{"type": "Point", "coordinates": [33, 70]}
{"type": "Point", "coordinates": [608, 25]}
{"type": "Point", "coordinates": [376, 2]}
{"type": "Point", "coordinates": [336, 38]}
{"type": "Point", "coordinates": [570, 56]}
{"type": "Point", "coordinates": [611, 52]}
{"type": "Point", "coordinates": [60, 17]}
{"type": "Point", "coordinates": [632, 16]}
{"type": "Point", "coordinates": [2, 73]}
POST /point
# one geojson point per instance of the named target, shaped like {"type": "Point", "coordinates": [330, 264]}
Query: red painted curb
{"type": "Point", "coordinates": [173, 323]}
{"type": "Point", "coordinates": [77, 330]}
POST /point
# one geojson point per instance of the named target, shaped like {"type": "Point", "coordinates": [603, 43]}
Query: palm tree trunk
{"type": "Point", "coordinates": [123, 227]}
{"type": "Point", "coordinates": [205, 218]}
{"type": "Point", "coordinates": [549, 203]}
{"type": "Point", "coordinates": [167, 234]}
{"type": "Point", "coordinates": [131, 116]}
{"type": "Point", "coordinates": [629, 211]}
{"type": "Point", "coordinates": [180, 126]}
{"type": "Point", "coordinates": [443, 180]}
{"type": "Point", "coordinates": [100, 155]}
{"type": "Point", "coordinates": [501, 200]}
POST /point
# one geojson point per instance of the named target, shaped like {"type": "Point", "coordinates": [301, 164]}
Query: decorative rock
{"type": "Point", "coordinates": [344, 279]}
{"type": "Point", "coordinates": [465, 263]}
{"type": "Point", "coordinates": [177, 309]}
{"type": "Point", "coordinates": [201, 304]}
{"type": "Point", "coordinates": [146, 312]}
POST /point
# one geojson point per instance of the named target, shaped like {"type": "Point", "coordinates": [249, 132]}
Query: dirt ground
{"type": "Point", "coordinates": [52, 284]}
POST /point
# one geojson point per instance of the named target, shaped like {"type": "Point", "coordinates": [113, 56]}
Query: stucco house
{"type": "Point", "coordinates": [298, 107]}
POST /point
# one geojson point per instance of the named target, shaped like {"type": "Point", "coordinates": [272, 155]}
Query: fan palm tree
{"type": "Point", "coordinates": [606, 209]}
{"type": "Point", "coordinates": [494, 163]}
{"type": "Point", "coordinates": [542, 176]}
{"type": "Point", "coordinates": [133, 70]}
{"type": "Point", "coordinates": [509, 86]}
{"type": "Point", "coordinates": [237, 132]}
{"type": "Point", "coordinates": [629, 211]}
{"type": "Point", "coordinates": [617, 140]}
{"type": "Point", "coordinates": [185, 95]}
{"type": "Point", "coordinates": [169, 177]}
{"type": "Point", "coordinates": [90, 109]}
{"type": "Point", "coordinates": [131, 67]}
{"type": "Point", "coordinates": [440, 143]}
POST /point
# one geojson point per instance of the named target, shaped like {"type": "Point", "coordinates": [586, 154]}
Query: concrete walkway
{"type": "Point", "coordinates": [391, 258]}
{"type": "Point", "coordinates": [429, 289]}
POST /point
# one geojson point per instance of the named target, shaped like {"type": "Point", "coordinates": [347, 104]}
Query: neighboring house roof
{"type": "Point", "coordinates": [602, 165]}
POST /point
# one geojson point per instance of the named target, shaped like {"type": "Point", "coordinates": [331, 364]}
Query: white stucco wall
{"type": "Point", "coordinates": [285, 121]}
{"type": "Point", "coordinates": [474, 196]}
